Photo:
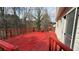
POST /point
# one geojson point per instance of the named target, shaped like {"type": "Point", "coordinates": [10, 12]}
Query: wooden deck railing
{"type": "Point", "coordinates": [4, 46]}
{"type": "Point", "coordinates": [56, 45]}
{"type": "Point", "coordinates": [6, 33]}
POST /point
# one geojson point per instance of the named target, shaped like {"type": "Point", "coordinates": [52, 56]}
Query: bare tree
{"type": "Point", "coordinates": [27, 18]}
{"type": "Point", "coordinates": [37, 15]}
{"type": "Point", "coordinates": [45, 22]}
{"type": "Point", "coordinates": [41, 16]}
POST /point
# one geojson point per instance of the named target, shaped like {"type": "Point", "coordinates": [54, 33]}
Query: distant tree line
{"type": "Point", "coordinates": [28, 17]}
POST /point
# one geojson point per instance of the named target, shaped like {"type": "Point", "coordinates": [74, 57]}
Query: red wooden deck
{"type": "Point", "coordinates": [37, 41]}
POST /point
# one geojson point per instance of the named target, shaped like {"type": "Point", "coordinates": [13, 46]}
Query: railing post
{"type": "Point", "coordinates": [11, 33]}
{"type": "Point", "coordinates": [49, 44]}
{"type": "Point", "coordinates": [6, 33]}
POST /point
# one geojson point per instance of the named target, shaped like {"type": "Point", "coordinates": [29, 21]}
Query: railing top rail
{"type": "Point", "coordinates": [63, 46]}
{"type": "Point", "coordinates": [7, 46]}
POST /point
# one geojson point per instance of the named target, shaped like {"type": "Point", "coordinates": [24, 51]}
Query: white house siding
{"type": "Point", "coordinates": [76, 44]}
{"type": "Point", "coordinates": [60, 29]}
{"type": "Point", "coordinates": [63, 28]}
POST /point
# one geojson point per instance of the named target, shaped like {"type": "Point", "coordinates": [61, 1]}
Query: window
{"type": "Point", "coordinates": [69, 27]}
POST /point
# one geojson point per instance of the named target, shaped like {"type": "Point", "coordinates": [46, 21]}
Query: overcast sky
{"type": "Point", "coordinates": [52, 13]}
